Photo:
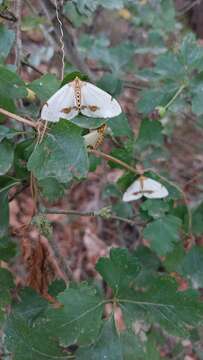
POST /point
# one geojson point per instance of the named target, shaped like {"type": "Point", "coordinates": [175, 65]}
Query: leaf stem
{"type": "Point", "coordinates": [178, 92]}
{"type": "Point", "coordinates": [113, 159]}
{"type": "Point", "coordinates": [18, 118]}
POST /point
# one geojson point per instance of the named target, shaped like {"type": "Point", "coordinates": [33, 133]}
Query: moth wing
{"type": "Point", "coordinates": [98, 103]}
{"type": "Point", "coordinates": [158, 190]}
{"type": "Point", "coordinates": [60, 105]}
{"type": "Point", "coordinates": [134, 192]}
{"type": "Point", "coordinates": [91, 138]}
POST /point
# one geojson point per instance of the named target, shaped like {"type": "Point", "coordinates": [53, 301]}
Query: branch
{"type": "Point", "coordinates": [104, 213]}
{"type": "Point", "coordinates": [113, 159]}
{"type": "Point", "coordinates": [18, 48]}
{"type": "Point", "coordinates": [18, 118]}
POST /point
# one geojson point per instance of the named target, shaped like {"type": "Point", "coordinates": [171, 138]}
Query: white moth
{"type": "Point", "coordinates": [79, 96]}
{"type": "Point", "coordinates": [147, 187]}
{"type": "Point", "coordinates": [95, 137]}
{"type": "Point", "coordinates": [91, 139]}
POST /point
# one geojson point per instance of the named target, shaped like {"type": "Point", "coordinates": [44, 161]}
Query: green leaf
{"type": "Point", "coordinates": [7, 38]}
{"type": "Point", "coordinates": [57, 287]}
{"type": "Point", "coordinates": [51, 189]}
{"type": "Point", "coordinates": [45, 86]}
{"type": "Point", "coordinates": [150, 264]}
{"type": "Point", "coordinates": [120, 126]}
{"type": "Point", "coordinates": [11, 84]}
{"type": "Point", "coordinates": [110, 190]}
{"type": "Point", "coordinates": [115, 4]}
{"type": "Point", "coordinates": [87, 7]}
{"type": "Point", "coordinates": [112, 346]}
{"type": "Point", "coordinates": [7, 182]}
{"type": "Point", "coordinates": [4, 218]}
{"type": "Point", "coordinates": [29, 305]}
{"type": "Point", "coordinates": [155, 208]}
{"type": "Point", "coordinates": [169, 67]}
{"type": "Point", "coordinates": [110, 84]}
{"type": "Point", "coordinates": [191, 53]}
{"type": "Point", "coordinates": [87, 123]}
{"type": "Point", "coordinates": [157, 301]}
{"type": "Point", "coordinates": [197, 106]}
{"type": "Point", "coordinates": [150, 99]}
{"type": "Point", "coordinates": [119, 270]}
{"type": "Point", "coordinates": [7, 104]}
{"type": "Point", "coordinates": [94, 162]}
{"type": "Point", "coordinates": [125, 181]}
{"type": "Point", "coordinates": [6, 284]}
{"type": "Point", "coordinates": [6, 156]}
{"type": "Point", "coordinates": [123, 209]}
{"type": "Point", "coordinates": [23, 150]}
{"type": "Point", "coordinates": [26, 334]}
{"type": "Point", "coordinates": [173, 260]}
{"type": "Point", "coordinates": [163, 234]}
{"type": "Point", "coordinates": [79, 319]}
{"type": "Point", "coordinates": [28, 342]}
{"type": "Point", "coordinates": [125, 153]}
{"type": "Point", "coordinates": [71, 76]}
{"type": "Point", "coordinates": [7, 249]}
{"type": "Point", "coordinates": [150, 133]}
{"type": "Point", "coordinates": [74, 16]}
{"type": "Point", "coordinates": [115, 57]}
{"type": "Point", "coordinates": [7, 133]}
{"type": "Point", "coordinates": [197, 220]}
{"type": "Point", "coordinates": [192, 266]}
{"type": "Point", "coordinates": [62, 154]}
{"type": "Point", "coordinates": [162, 303]}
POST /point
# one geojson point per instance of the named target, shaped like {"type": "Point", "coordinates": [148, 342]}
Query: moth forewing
{"type": "Point", "coordinates": [134, 192]}
{"type": "Point", "coordinates": [91, 139]}
{"type": "Point", "coordinates": [98, 103]}
{"type": "Point", "coordinates": [157, 190]}
{"type": "Point", "coordinates": [61, 105]}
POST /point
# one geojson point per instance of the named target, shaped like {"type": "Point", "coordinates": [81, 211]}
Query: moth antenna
{"type": "Point", "coordinates": [57, 6]}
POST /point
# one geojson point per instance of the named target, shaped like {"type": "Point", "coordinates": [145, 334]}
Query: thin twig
{"type": "Point", "coordinates": [18, 48]}
{"type": "Point", "coordinates": [61, 260]}
{"type": "Point", "coordinates": [61, 37]}
{"type": "Point", "coordinates": [89, 214]}
{"type": "Point", "coordinates": [115, 160]}
{"type": "Point", "coordinates": [25, 63]}
{"type": "Point", "coordinates": [8, 15]}
{"type": "Point", "coordinates": [19, 191]}
{"type": "Point", "coordinates": [18, 118]}
{"type": "Point", "coordinates": [188, 7]}
{"type": "Point", "coordinates": [71, 51]}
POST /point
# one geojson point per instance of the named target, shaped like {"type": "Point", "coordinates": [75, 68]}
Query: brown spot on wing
{"type": "Point", "coordinates": [66, 110]}
{"type": "Point", "coordinates": [93, 108]}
